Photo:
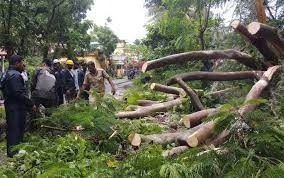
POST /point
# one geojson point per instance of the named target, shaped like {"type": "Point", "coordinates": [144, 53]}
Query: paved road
{"type": "Point", "coordinates": [121, 85]}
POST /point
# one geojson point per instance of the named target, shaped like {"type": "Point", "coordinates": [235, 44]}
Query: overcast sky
{"type": "Point", "coordinates": [129, 17]}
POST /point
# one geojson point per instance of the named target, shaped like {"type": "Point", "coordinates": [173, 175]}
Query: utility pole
{"type": "Point", "coordinates": [261, 16]}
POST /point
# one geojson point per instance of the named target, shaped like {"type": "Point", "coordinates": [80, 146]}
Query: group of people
{"type": "Point", "coordinates": [52, 85]}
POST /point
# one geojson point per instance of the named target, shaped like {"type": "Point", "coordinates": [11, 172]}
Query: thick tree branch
{"type": "Point", "coordinates": [168, 89]}
{"type": "Point", "coordinates": [191, 94]}
{"type": "Point", "coordinates": [241, 57]}
{"type": "Point", "coordinates": [150, 110]}
{"type": "Point", "coordinates": [216, 76]}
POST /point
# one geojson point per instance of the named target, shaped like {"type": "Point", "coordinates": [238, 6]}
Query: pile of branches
{"type": "Point", "coordinates": [263, 37]}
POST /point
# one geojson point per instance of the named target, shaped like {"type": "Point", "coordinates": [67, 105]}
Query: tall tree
{"type": "Point", "coordinates": [105, 38]}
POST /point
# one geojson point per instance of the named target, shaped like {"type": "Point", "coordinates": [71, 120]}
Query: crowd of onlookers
{"type": "Point", "coordinates": [52, 84]}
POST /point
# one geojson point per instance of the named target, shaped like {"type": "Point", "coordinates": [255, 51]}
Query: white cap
{"type": "Point", "coordinates": [55, 61]}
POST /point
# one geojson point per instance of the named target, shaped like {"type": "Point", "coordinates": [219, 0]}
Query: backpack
{"type": "Point", "coordinates": [45, 81]}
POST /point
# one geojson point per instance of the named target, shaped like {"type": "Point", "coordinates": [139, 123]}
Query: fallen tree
{"type": "Point", "coordinates": [150, 110]}
{"type": "Point", "coordinates": [241, 57]}
{"type": "Point", "coordinates": [216, 76]}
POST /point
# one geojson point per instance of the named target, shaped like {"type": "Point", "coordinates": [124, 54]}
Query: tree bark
{"type": "Point", "coordinates": [150, 110]}
{"type": "Point", "coordinates": [191, 94]}
{"type": "Point", "coordinates": [259, 43]}
{"type": "Point", "coordinates": [241, 57]}
{"type": "Point", "coordinates": [163, 138]}
{"type": "Point", "coordinates": [257, 89]}
{"type": "Point", "coordinates": [195, 119]}
{"type": "Point", "coordinates": [269, 33]}
{"type": "Point", "coordinates": [146, 102]}
{"type": "Point", "coordinates": [216, 76]}
{"type": "Point", "coordinates": [168, 89]}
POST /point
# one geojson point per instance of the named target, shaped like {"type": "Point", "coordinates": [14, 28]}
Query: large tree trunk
{"type": "Point", "coordinates": [163, 138]}
{"type": "Point", "coordinates": [195, 119]}
{"type": "Point", "coordinates": [259, 43]}
{"type": "Point", "coordinates": [195, 101]}
{"type": "Point", "coordinates": [269, 33]}
{"type": "Point", "coordinates": [168, 89]}
{"type": "Point", "coordinates": [150, 110]}
{"type": "Point", "coordinates": [261, 16]}
{"type": "Point", "coordinates": [241, 57]}
{"type": "Point", "coordinates": [216, 76]}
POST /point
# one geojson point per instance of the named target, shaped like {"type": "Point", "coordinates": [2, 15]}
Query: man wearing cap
{"type": "Point", "coordinates": [69, 82]}
{"type": "Point", "coordinates": [94, 80]}
{"type": "Point", "coordinates": [58, 72]}
{"type": "Point", "coordinates": [17, 102]}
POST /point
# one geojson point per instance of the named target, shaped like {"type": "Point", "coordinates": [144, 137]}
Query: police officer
{"type": "Point", "coordinates": [17, 102]}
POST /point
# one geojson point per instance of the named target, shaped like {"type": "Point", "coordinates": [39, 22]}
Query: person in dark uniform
{"type": "Point", "coordinates": [58, 72]}
{"type": "Point", "coordinates": [17, 103]}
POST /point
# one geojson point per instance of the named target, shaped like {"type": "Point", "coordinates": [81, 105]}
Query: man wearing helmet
{"type": "Point", "coordinates": [69, 82]}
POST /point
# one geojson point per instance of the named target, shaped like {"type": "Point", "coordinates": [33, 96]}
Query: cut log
{"type": "Point", "coordinates": [269, 33]}
{"type": "Point", "coordinates": [199, 137]}
{"type": "Point", "coordinates": [163, 138]}
{"type": "Point", "coordinates": [195, 119]}
{"type": "Point", "coordinates": [150, 110]}
{"type": "Point", "coordinates": [257, 89]}
{"type": "Point", "coordinates": [216, 76]}
{"type": "Point", "coordinates": [134, 139]}
{"type": "Point", "coordinates": [241, 57]}
{"type": "Point", "coordinates": [191, 94]}
{"type": "Point", "coordinates": [168, 89]}
{"type": "Point", "coordinates": [147, 102]}
{"type": "Point", "coordinates": [175, 151]}
{"type": "Point", "coordinates": [258, 42]}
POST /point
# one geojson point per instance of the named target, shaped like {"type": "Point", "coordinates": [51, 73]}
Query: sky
{"type": "Point", "coordinates": [128, 17]}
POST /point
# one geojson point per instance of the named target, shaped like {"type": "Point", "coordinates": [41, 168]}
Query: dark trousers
{"type": "Point", "coordinates": [60, 94]}
{"type": "Point", "coordinates": [16, 120]}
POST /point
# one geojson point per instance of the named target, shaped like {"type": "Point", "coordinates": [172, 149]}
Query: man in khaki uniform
{"type": "Point", "coordinates": [94, 80]}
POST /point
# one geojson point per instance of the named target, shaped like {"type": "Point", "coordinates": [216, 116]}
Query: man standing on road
{"type": "Point", "coordinates": [94, 80]}
{"type": "Point", "coordinates": [17, 102]}
{"type": "Point", "coordinates": [69, 82]}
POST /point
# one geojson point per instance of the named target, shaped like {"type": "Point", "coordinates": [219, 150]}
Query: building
{"type": "Point", "coordinates": [119, 58]}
